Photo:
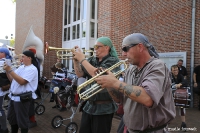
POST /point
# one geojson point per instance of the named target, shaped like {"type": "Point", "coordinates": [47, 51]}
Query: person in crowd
{"type": "Point", "coordinates": [196, 79]}
{"type": "Point", "coordinates": [33, 122]}
{"type": "Point", "coordinates": [4, 57]}
{"type": "Point", "coordinates": [54, 69]}
{"type": "Point", "coordinates": [57, 81]}
{"type": "Point", "coordinates": [182, 69]}
{"type": "Point", "coordinates": [99, 109]}
{"type": "Point", "coordinates": [147, 99]}
{"type": "Point", "coordinates": [24, 81]}
{"type": "Point", "coordinates": [179, 82]}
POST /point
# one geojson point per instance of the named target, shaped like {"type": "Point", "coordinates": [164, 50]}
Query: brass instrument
{"type": "Point", "coordinates": [96, 87]}
{"type": "Point", "coordinates": [65, 53]}
{"type": "Point", "coordinates": [33, 41]}
{"type": "Point", "coordinates": [13, 66]}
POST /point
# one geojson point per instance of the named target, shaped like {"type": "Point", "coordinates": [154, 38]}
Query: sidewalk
{"type": "Point", "coordinates": [44, 120]}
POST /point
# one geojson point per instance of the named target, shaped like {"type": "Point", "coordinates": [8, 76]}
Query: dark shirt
{"type": "Point", "coordinates": [182, 70]}
{"type": "Point", "coordinates": [179, 79]}
{"type": "Point", "coordinates": [100, 109]}
{"type": "Point", "coordinates": [197, 72]}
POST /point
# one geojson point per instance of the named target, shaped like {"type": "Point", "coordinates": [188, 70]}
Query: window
{"type": "Point", "coordinates": [92, 29]}
{"type": "Point", "coordinates": [77, 6]}
{"type": "Point", "coordinates": [93, 9]}
{"type": "Point", "coordinates": [84, 29]}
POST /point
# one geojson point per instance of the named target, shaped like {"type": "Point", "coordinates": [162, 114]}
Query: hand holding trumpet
{"type": "Point", "coordinates": [78, 54]}
{"type": "Point", "coordinates": [106, 81]}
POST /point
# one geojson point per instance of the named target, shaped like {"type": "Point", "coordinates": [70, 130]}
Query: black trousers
{"type": "Point", "coordinates": [96, 123]}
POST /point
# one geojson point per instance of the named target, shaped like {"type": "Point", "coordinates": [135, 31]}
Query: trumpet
{"type": "Point", "coordinates": [96, 87]}
{"type": "Point", "coordinates": [65, 53]}
{"type": "Point", "coordinates": [13, 66]}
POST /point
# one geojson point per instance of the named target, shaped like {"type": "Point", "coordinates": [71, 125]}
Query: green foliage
{"type": "Point", "coordinates": [13, 1]}
{"type": "Point", "coordinates": [12, 42]}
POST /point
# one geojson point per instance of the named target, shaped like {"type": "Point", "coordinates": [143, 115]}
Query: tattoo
{"type": "Point", "coordinates": [128, 89]}
{"type": "Point", "coordinates": [79, 69]}
{"type": "Point", "coordinates": [114, 94]}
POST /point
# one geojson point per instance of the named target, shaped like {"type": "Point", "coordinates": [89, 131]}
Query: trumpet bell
{"type": "Point", "coordinates": [65, 53]}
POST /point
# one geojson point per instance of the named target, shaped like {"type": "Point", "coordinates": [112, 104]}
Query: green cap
{"type": "Point", "coordinates": [107, 42]}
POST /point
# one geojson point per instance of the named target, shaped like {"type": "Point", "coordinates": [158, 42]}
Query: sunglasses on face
{"type": "Point", "coordinates": [126, 48]}
{"type": "Point", "coordinates": [97, 46]}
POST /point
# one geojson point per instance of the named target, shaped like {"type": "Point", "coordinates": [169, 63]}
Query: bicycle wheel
{"type": "Point", "coordinates": [39, 110]}
{"type": "Point", "coordinates": [57, 121]}
{"type": "Point", "coordinates": [72, 127]}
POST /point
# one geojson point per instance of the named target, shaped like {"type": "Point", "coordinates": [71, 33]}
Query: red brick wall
{"type": "Point", "coordinates": [167, 24]}
{"type": "Point", "coordinates": [114, 20]}
{"type": "Point", "coordinates": [53, 31]}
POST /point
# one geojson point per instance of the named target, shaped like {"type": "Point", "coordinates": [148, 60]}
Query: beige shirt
{"type": "Point", "coordinates": [154, 78]}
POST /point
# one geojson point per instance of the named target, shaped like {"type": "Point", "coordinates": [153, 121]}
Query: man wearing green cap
{"type": "Point", "coordinates": [99, 109]}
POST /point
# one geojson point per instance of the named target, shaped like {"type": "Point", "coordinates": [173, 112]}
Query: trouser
{"type": "Point", "coordinates": [18, 114]}
{"type": "Point", "coordinates": [197, 91]}
{"type": "Point", "coordinates": [3, 124]}
{"type": "Point", "coordinates": [96, 123]}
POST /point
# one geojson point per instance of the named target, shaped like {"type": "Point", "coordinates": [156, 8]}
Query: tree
{"type": "Point", "coordinates": [12, 42]}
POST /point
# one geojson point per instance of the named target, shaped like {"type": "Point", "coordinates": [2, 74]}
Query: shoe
{"type": "Point", "coordinates": [51, 100]}
{"type": "Point", "coordinates": [183, 126]}
{"type": "Point", "coordinates": [32, 124]}
{"type": "Point", "coordinates": [56, 106]}
{"type": "Point", "coordinates": [63, 109]}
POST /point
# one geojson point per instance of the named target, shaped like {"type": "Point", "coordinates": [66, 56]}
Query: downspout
{"type": "Point", "coordinates": [192, 50]}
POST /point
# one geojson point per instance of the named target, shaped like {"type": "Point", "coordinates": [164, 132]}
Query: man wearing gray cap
{"type": "Point", "coordinates": [148, 103]}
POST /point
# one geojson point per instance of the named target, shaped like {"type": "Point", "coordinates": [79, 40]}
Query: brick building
{"type": "Point", "coordinates": [66, 23]}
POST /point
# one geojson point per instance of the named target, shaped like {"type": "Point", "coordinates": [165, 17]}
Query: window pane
{"type": "Point", "coordinates": [84, 9]}
{"type": "Point", "coordinates": [79, 9]}
{"type": "Point", "coordinates": [75, 4]}
{"type": "Point", "coordinates": [65, 14]}
{"type": "Point", "coordinates": [69, 12]}
{"type": "Point", "coordinates": [65, 34]}
{"type": "Point", "coordinates": [93, 9]}
{"type": "Point", "coordinates": [78, 33]}
{"type": "Point", "coordinates": [68, 33]}
{"type": "Point", "coordinates": [84, 29]}
{"type": "Point", "coordinates": [74, 32]}
{"type": "Point", "coordinates": [92, 29]}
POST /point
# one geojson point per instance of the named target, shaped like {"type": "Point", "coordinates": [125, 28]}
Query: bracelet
{"type": "Point", "coordinates": [82, 61]}
{"type": "Point", "coordinates": [10, 71]}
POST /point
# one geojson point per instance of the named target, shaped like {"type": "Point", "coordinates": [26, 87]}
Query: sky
{"type": "Point", "coordinates": [7, 18]}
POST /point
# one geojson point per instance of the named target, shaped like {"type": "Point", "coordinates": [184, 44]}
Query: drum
{"type": "Point", "coordinates": [182, 97]}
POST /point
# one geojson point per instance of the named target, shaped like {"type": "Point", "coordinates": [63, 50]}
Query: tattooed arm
{"type": "Point", "coordinates": [78, 70]}
{"type": "Point", "coordinates": [114, 94]}
{"type": "Point", "coordinates": [135, 93]}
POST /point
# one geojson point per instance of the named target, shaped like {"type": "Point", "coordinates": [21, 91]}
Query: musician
{"type": "Point", "coordinates": [182, 69]}
{"type": "Point", "coordinates": [147, 101]}
{"type": "Point", "coordinates": [99, 109]}
{"type": "Point", "coordinates": [196, 79]}
{"type": "Point", "coordinates": [33, 122]}
{"type": "Point", "coordinates": [24, 79]}
{"type": "Point", "coordinates": [179, 81]}
{"type": "Point", "coordinates": [4, 57]}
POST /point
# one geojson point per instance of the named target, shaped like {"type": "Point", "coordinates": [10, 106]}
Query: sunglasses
{"type": "Point", "coordinates": [97, 46]}
{"type": "Point", "coordinates": [126, 48]}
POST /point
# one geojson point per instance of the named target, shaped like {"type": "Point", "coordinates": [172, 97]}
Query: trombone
{"type": "Point", "coordinates": [66, 53]}
{"type": "Point", "coordinates": [96, 87]}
